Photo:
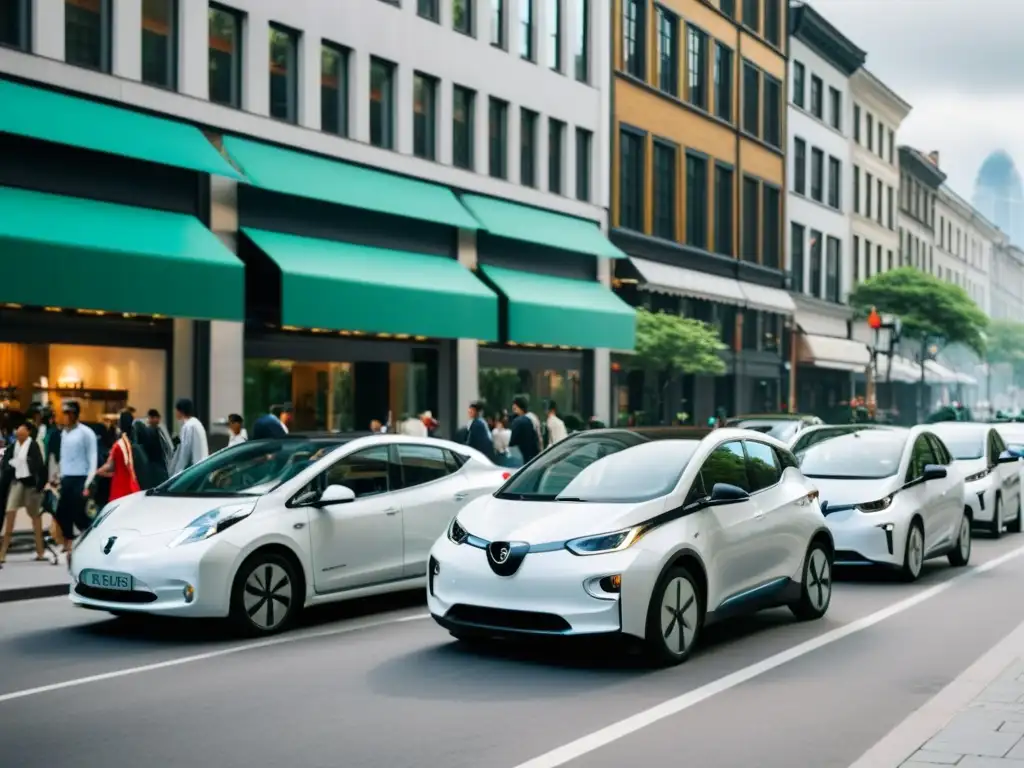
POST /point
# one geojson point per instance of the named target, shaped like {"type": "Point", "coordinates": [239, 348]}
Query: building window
{"type": "Point", "coordinates": [815, 278]}
{"type": "Point", "coordinates": [284, 75]}
{"type": "Point", "coordinates": [429, 9]}
{"type": "Point", "coordinates": [88, 28]}
{"type": "Point", "coordinates": [583, 41]}
{"type": "Point", "coordinates": [159, 42]}
{"type": "Point", "coordinates": [833, 255]}
{"type": "Point", "coordinates": [724, 192]}
{"type": "Point", "coordinates": [817, 174]}
{"type": "Point", "coordinates": [15, 25]}
{"type": "Point", "coordinates": [498, 23]}
{"type": "Point", "coordinates": [880, 187]}
{"type": "Point", "coordinates": [856, 260]}
{"type": "Point", "coordinates": [751, 99]}
{"type": "Point", "coordinates": [871, 131]}
{"type": "Point", "coordinates": [526, 30]}
{"type": "Point", "coordinates": [527, 148]}
{"type": "Point", "coordinates": [631, 180]}
{"type": "Point", "coordinates": [665, 190]}
{"type": "Point", "coordinates": [868, 185]}
{"type": "Point", "coordinates": [772, 22]}
{"type": "Point", "coordinates": [668, 57]}
{"type": "Point", "coordinates": [892, 145]}
{"type": "Point", "coordinates": [799, 166]}
{"type": "Point", "coordinates": [723, 82]}
{"type": "Point", "coordinates": [497, 118]}
{"type": "Point", "coordinates": [796, 266]}
{"type": "Point", "coordinates": [752, 14]}
{"type": "Point", "coordinates": [462, 127]}
{"type": "Point", "coordinates": [834, 182]}
{"type": "Point", "coordinates": [697, 80]}
{"type": "Point", "coordinates": [835, 107]}
{"type": "Point", "coordinates": [696, 201]}
{"type": "Point", "coordinates": [424, 116]}
{"type": "Point", "coordinates": [856, 189]}
{"type": "Point", "coordinates": [799, 84]}
{"type": "Point", "coordinates": [225, 34]}
{"type": "Point", "coordinates": [556, 140]}
{"type": "Point", "coordinates": [633, 31]}
{"type": "Point", "coordinates": [728, 7]}
{"type": "Point", "coordinates": [334, 89]}
{"type": "Point", "coordinates": [881, 139]}
{"type": "Point", "coordinates": [584, 142]}
{"type": "Point", "coordinates": [772, 111]}
{"type": "Point", "coordinates": [856, 123]}
{"type": "Point", "coordinates": [816, 96]}
{"type": "Point", "coordinates": [770, 226]}
{"type": "Point", "coordinates": [750, 218]}
{"type": "Point", "coordinates": [890, 220]}
{"type": "Point", "coordinates": [462, 16]}
{"type": "Point", "coordinates": [555, 34]}
{"type": "Point", "coordinates": [382, 103]}
{"type": "Point", "coordinates": [888, 255]}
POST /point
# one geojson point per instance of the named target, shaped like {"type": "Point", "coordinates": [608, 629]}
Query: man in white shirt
{"type": "Point", "coordinates": [236, 426]}
{"type": "Point", "coordinates": [78, 462]}
{"type": "Point", "coordinates": [556, 427]}
{"type": "Point", "coordinates": [193, 447]}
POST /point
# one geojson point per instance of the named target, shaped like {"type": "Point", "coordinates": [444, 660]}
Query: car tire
{"type": "Point", "coordinates": [264, 596]}
{"type": "Point", "coordinates": [960, 555]}
{"type": "Point", "coordinates": [995, 529]}
{"type": "Point", "coordinates": [675, 618]}
{"type": "Point", "coordinates": [1014, 525]}
{"type": "Point", "coordinates": [816, 585]}
{"type": "Point", "coordinates": [913, 553]}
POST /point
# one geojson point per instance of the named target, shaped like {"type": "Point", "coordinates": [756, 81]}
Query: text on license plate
{"type": "Point", "coordinates": [107, 580]}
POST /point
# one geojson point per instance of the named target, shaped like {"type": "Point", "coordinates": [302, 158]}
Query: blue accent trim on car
{"type": "Point", "coordinates": [755, 593]}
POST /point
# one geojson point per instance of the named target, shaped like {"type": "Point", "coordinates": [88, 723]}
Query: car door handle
{"type": "Point", "coordinates": [460, 496]}
{"type": "Point", "coordinates": [391, 512]}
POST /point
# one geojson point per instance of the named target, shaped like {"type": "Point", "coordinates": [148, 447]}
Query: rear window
{"type": "Point", "coordinates": [857, 456]}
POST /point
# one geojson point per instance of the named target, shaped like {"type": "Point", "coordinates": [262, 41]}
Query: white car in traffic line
{"type": "Point", "coordinates": [891, 497]}
{"type": "Point", "coordinates": [991, 474]}
{"type": "Point", "coordinates": [262, 529]}
{"type": "Point", "coordinates": [612, 533]}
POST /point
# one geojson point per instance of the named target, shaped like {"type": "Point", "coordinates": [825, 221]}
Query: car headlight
{"type": "Point", "coordinates": [977, 476]}
{"type": "Point", "coordinates": [456, 533]}
{"type": "Point", "coordinates": [876, 506]}
{"type": "Point", "coordinates": [606, 542]}
{"type": "Point", "coordinates": [213, 522]}
{"type": "Point", "coordinates": [102, 515]}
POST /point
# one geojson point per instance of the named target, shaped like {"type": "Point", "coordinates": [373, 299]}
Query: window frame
{"type": "Point", "coordinates": [397, 465]}
{"type": "Point", "coordinates": [581, 56]}
{"type": "Point", "coordinates": [343, 74]}
{"type": "Point", "coordinates": [634, 190]}
{"type": "Point", "coordinates": [723, 85]}
{"type": "Point", "coordinates": [796, 276]}
{"type": "Point", "coordinates": [291, 75]}
{"type": "Point", "coordinates": [430, 121]}
{"type": "Point", "coordinates": [170, 80]}
{"type": "Point", "coordinates": [429, 10]}
{"type": "Point", "coordinates": [468, 28]}
{"type": "Point", "coordinates": [664, 201]}
{"type": "Point", "coordinates": [584, 160]}
{"type": "Point", "coordinates": [772, 259]}
{"type": "Point", "coordinates": [237, 61]}
{"type": "Point", "coordinates": [497, 109]}
{"type": "Point", "coordinates": [799, 165]}
{"type": "Point", "coordinates": [556, 50]}
{"type": "Point", "coordinates": [387, 103]}
{"type": "Point", "coordinates": [527, 28]}
{"type": "Point", "coordinates": [322, 479]}
{"type": "Point", "coordinates": [833, 269]}
{"type": "Point", "coordinates": [771, 109]}
{"type": "Point", "coordinates": [667, 36]}
{"type": "Point", "coordinates": [748, 231]}
{"type": "Point", "coordinates": [528, 122]}
{"type": "Point", "coordinates": [23, 42]}
{"type": "Point", "coordinates": [748, 460]}
{"type": "Point", "coordinates": [799, 84]}
{"type": "Point", "coordinates": [556, 160]}
{"type": "Point", "coordinates": [634, 30]}
{"type": "Point", "coordinates": [696, 206]}
{"type": "Point", "coordinates": [106, 39]}
{"type": "Point", "coordinates": [728, 198]}
{"type": "Point", "coordinates": [835, 104]}
{"type": "Point", "coordinates": [469, 127]}
{"type": "Point", "coordinates": [835, 183]}
{"type": "Point", "coordinates": [751, 114]}
{"type": "Point", "coordinates": [697, 66]}
{"type": "Point", "coordinates": [817, 172]}
{"type": "Point", "coordinates": [499, 38]}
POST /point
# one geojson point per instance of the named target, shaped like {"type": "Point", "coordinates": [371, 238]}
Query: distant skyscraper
{"type": "Point", "coordinates": [999, 195]}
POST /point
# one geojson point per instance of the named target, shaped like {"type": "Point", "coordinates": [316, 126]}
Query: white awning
{"type": "Point", "coordinates": [965, 378]}
{"type": "Point", "coordinates": [835, 353]}
{"type": "Point", "coordinates": [679, 281]}
{"type": "Point", "coordinates": [936, 373]}
{"type": "Point", "coordinates": [768, 299]}
{"type": "Point", "coordinates": [903, 370]}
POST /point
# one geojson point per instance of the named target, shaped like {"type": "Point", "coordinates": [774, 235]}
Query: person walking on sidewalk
{"type": "Point", "coordinates": [193, 447]}
{"type": "Point", "coordinates": [22, 479]}
{"type": "Point", "coordinates": [525, 428]}
{"type": "Point", "coordinates": [236, 426]}
{"type": "Point", "coordinates": [478, 435]}
{"type": "Point", "coordinates": [273, 424]}
{"type": "Point", "coordinates": [556, 427]}
{"type": "Point", "coordinates": [120, 464]}
{"type": "Point", "coordinates": [78, 458]}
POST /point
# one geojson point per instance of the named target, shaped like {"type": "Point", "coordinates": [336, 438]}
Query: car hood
{"type": "Point", "coordinates": [539, 522]}
{"type": "Point", "coordinates": [845, 493]}
{"type": "Point", "coordinates": [159, 514]}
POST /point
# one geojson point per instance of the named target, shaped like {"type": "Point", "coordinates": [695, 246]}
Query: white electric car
{"type": "Point", "coordinates": [991, 474]}
{"type": "Point", "coordinates": [260, 530]}
{"type": "Point", "coordinates": [891, 497]}
{"type": "Point", "coordinates": [611, 532]}
{"type": "Point", "coordinates": [809, 436]}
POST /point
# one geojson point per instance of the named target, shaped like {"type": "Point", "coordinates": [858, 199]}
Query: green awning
{"type": "Point", "coordinates": [334, 181]}
{"type": "Point", "coordinates": [532, 225]}
{"type": "Point", "coordinates": [40, 114]}
{"type": "Point", "coordinates": [81, 254]}
{"type": "Point", "coordinates": [342, 286]}
{"type": "Point", "coordinates": [563, 312]}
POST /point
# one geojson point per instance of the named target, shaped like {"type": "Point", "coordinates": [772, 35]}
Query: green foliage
{"type": "Point", "coordinates": [927, 307]}
{"type": "Point", "coordinates": [672, 344]}
{"type": "Point", "coordinates": [1005, 343]}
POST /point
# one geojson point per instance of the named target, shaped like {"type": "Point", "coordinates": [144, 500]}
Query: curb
{"type": "Point", "coordinates": [33, 593]}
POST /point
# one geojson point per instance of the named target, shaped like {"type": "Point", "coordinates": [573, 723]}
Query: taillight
{"type": "Point", "coordinates": [506, 475]}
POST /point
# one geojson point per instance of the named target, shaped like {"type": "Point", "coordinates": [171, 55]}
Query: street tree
{"type": "Point", "coordinates": [1005, 345]}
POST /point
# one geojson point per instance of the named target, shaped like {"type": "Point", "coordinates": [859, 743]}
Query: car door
{"type": "Point", "coordinates": [783, 538]}
{"type": "Point", "coordinates": [360, 543]}
{"type": "Point", "coordinates": [431, 490]}
{"type": "Point", "coordinates": [951, 500]}
{"type": "Point", "coordinates": [926, 496]}
{"type": "Point", "coordinates": [735, 559]}
{"type": "Point", "coordinates": [1008, 474]}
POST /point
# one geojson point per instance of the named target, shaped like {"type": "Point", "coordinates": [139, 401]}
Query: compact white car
{"type": "Point", "coordinates": [260, 530]}
{"type": "Point", "coordinates": [1012, 433]}
{"type": "Point", "coordinates": [991, 474]}
{"type": "Point", "coordinates": [611, 532]}
{"type": "Point", "coordinates": [890, 497]}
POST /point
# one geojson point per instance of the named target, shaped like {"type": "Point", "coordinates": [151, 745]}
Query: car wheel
{"type": "Point", "coordinates": [1014, 525]}
{"type": "Point", "coordinates": [996, 529]}
{"type": "Point", "coordinates": [674, 618]}
{"type": "Point", "coordinates": [816, 589]}
{"type": "Point", "coordinates": [913, 557]}
{"type": "Point", "coordinates": [264, 597]}
{"type": "Point", "coordinates": [961, 553]}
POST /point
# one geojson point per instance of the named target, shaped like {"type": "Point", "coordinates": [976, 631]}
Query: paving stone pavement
{"type": "Point", "coordinates": [988, 733]}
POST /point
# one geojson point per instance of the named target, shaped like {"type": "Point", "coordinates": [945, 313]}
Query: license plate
{"type": "Point", "coordinates": [121, 582]}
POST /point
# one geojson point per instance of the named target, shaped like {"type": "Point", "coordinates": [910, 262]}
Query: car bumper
{"type": "Point", "coordinates": [546, 596]}
{"type": "Point", "coordinates": [192, 580]}
{"type": "Point", "coordinates": [980, 497]}
{"type": "Point", "coordinates": [867, 538]}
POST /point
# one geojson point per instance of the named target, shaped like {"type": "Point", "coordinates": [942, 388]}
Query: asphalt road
{"type": "Point", "coordinates": [376, 684]}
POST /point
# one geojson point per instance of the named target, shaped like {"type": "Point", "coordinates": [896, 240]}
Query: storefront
{"type": "Point", "coordinates": [828, 362]}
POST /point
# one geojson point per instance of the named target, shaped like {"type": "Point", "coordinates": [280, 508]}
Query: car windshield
{"type": "Point", "coordinates": [247, 469]}
{"type": "Point", "coordinates": [867, 455]}
{"type": "Point", "coordinates": [780, 430]}
{"type": "Point", "coordinates": [962, 443]}
{"type": "Point", "coordinates": [615, 467]}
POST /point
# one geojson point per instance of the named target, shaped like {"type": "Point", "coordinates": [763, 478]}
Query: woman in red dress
{"type": "Point", "coordinates": [120, 466]}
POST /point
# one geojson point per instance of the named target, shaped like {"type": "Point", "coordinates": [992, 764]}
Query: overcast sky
{"type": "Point", "coordinates": [959, 63]}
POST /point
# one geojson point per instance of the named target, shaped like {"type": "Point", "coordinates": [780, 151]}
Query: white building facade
{"type": "Point", "coordinates": [964, 242]}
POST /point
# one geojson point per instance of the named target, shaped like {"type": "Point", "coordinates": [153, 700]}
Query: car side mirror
{"type": "Point", "coordinates": [725, 493]}
{"type": "Point", "coordinates": [336, 494]}
{"type": "Point", "coordinates": [1015, 452]}
{"type": "Point", "coordinates": [933, 472]}
{"type": "Point", "coordinates": [1008, 457]}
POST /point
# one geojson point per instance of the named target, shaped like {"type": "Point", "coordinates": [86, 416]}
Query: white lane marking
{"type": "Point", "coordinates": [294, 638]}
{"type": "Point", "coordinates": [615, 731]}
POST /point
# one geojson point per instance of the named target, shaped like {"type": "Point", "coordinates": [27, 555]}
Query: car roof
{"type": "Point", "coordinates": [771, 417]}
{"type": "Point", "coordinates": [959, 426]}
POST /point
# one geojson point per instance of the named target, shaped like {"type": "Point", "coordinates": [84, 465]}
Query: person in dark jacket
{"type": "Point", "coordinates": [22, 479]}
{"type": "Point", "coordinates": [273, 424]}
{"type": "Point", "coordinates": [151, 463]}
{"type": "Point", "coordinates": [525, 433]}
{"type": "Point", "coordinates": [478, 435]}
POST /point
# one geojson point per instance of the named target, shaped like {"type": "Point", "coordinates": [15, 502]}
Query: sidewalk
{"type": "Point", "coordinates": [977, 721]}
{"type": "Point", "coordinates": [22, 578]}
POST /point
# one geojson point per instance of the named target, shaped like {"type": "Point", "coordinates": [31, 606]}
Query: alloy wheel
{"type": "Point", "coordinates": [678, 615]}
{"type": "Point", "coordinates": [915, 551]}
{"type": "Point", "coordinates": [268, 596]}
{"type": "Point", "coordinates": [818, 580]}
{"type": "Point", "coordinates": [965, 538]}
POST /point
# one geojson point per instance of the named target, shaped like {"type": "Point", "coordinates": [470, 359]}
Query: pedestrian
{"type": "Point", "coordinates": [500, 436]}
{"type": "Point", "coordinates": [78, 451]}
{"type": "Point", "coordinates": [193, 446]}
{"type": "Point", "coordinates": [478, 436]}
{"type": "Point", "coordinates": [120, 464]}
{"type": "Point", "coordinates": [525, 442]}
{"type": "Point", "coordinates": [155, 422]}
{"type": "Point", "coordinates": [236, 426]}
{"type": "Point", "coordinates": [378, 427]}
{"type": "Point", "coordinates": [272, 424]}
{"type": "Point", "coordinates": [556, 427]}
{"type": "Point", "coordinates": [412, 426]}
{"type": "Point", "coordinates": [22, 479]}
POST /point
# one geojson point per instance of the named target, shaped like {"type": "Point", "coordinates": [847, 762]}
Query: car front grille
{"type": "Point", "coordinates": [500, 618]}
{"type": "Point", "coordinates": [114, 595]}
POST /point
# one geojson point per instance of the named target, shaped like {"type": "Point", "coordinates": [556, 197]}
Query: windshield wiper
{"type": "Point", "coordinates": [847, 477]}
{"type": "Point", "coordinates": [527, 496]}
{"type": "Point", "coordinates": [569, 498]}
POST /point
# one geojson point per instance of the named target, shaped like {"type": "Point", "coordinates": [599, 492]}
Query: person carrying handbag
{"type": "Point", "coordinates": [22, 479]}
{"type": "Point", "coordinates": [120, 465]}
